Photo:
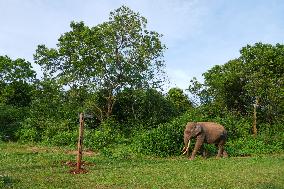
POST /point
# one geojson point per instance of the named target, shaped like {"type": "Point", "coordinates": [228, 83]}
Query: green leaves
{"type": "Point", "coordinates": [117, 54]}
{"type": "Point", "coordinates": [264, 68]}
{"type": "Point", "coordinates": [15, 81]}
{"type": "Point", "coordinates": [257, 73]}
{"type": "Point", "coordinates": [15, 70]}
{"type": "Point", "coordinates": [179, 100]}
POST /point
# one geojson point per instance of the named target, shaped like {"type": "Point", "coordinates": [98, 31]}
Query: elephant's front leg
{"type": "Point", "coordinates": [198, 144]}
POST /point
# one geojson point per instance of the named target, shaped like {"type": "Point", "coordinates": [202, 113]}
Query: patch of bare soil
{"type": "Point", "coordinates": [85, 153]}
{"type": "Point", "coordinates": [74, 164]}
{"type": "Point", "coordinates": [37, 149]}
{"type": "Point", "coordinates": [78, 171]}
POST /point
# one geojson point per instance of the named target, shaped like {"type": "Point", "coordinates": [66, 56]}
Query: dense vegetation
{"type": "Point", "coordinates": [115, 72]}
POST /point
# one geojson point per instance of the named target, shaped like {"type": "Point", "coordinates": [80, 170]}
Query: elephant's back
{"type": "Point", "coordinates": [212, 131]}
{"type": "Point", "coordinates": [211, 125]}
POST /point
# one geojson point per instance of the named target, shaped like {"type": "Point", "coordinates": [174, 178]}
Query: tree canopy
{"type": "Point", "coordinates": [15, 79]}
{"type": "Point", "coordinates": [257, 74]}
{"type": "Point", "coordinates": [117, 54]}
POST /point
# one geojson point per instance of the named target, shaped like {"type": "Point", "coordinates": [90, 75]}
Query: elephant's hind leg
{"type": "Point", "coordinates": [225, 154]}
{"type": "Point", "coordinates": [220, 148]}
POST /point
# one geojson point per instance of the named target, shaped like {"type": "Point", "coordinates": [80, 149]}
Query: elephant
{"type": "Point", "coordinates": [205, 132]}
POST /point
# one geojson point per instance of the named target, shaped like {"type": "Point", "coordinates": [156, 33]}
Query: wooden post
{"type": "Point", "coordinates": [254, 129]}
{"type": "Point", "coordinates": [80, 141]}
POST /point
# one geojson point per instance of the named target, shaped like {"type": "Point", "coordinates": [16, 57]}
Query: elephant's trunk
{"type": "Point", "coordinates": [186, 147]}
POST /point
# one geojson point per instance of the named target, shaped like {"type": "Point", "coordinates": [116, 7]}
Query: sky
{"type": "Point", "coordinates": [198, 33]}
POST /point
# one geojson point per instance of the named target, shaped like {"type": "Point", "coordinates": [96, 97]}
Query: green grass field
{"type": "Point", "coordinates": [24, 166]}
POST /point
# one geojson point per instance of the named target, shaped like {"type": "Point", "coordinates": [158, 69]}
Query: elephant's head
{"type": "Point", "coordinates": [191, 130]}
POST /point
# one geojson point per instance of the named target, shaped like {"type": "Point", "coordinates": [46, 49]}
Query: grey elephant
{"type": "Point", "coordinates": [205, 132]}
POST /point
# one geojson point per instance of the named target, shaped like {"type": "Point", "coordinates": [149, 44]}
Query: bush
{"type": "Point", "coordinates": [271, 130]}
{"type": "Point", "coordinates": [252, 146]}
{"type": "Point", "coordinates": [65, 138]}
{"type": "Point", "coordinates": [165, 140]}
{"type": "Point", "coordinates": [50, 128]}
{"type": "Point", "coordinates": [6, 181]}
{"type": "Point", "coordinates": [237, 127]}
{"type": "Point", "coordinates": [101, 139]}
{"type": "Point", "coordinates": [28, 134]}
{"type": "Point", "coordinates": [106, 135]}
{"type": "Point", "coordinates": [48, 131]}
{"type": "Point", "coordinates": [10, 121]}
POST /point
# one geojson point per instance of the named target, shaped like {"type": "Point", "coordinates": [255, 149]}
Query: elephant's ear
{"type": "Point", "coordinates": [197, 130]}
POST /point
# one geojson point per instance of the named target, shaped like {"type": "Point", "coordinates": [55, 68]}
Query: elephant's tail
{"type": "Point", "coordinates": [224, 135]}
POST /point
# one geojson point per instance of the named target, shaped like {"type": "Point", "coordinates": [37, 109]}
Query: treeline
{"type": "Point", "coordinates": [114, 72]}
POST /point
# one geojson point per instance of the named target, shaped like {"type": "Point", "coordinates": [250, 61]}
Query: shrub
{"type": "Point", "coordinates": [10, 121]}
{"type": "Point", "coordinates": [6, 181]}
{"type": "Point", "coordinates": [237, 127]}
{"type": "Point", "coordinates": [65, 138]}
{"type": "Point", "coordinates": [28, 134]}
{"type": "Point", "coordinates": [165, 140]}
{"type": "Point", "coordinates": [48, 131]}
{"type": "Point", "coordinates": [101, 139]}
{"type": "Point", "coordinates": [106, 135]}
{"type": "Point", "coordinates": [253, 146]}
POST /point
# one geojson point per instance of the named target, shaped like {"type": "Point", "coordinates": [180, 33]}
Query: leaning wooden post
{"type": "Point", "coordinates": [80, 141]}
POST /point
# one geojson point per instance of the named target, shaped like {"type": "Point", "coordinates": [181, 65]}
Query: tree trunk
{"type": "Point", "coordinates": [254, 129]}
{"type": "Point", "coordinates": [110, 104]}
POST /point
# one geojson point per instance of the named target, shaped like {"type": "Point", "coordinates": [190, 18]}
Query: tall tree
{"type": "Point", "coordinates": [264, 65]}
{"type": "Point", "coordinates": [117, 54]}
{"type": "Point", "coordinates": [16, 85]}
{"type": "Point", "coordinates": [144, 107]}
{"type": "Point", "coordinates": [179, 100]}
{"type": "Point", "coordinates": [15, 79]}
{"type": "Point", "coordinates": [257, 75]}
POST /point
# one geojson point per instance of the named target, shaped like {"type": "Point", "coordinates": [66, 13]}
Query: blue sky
{"type": "Point", "coordinates": [198, 33]}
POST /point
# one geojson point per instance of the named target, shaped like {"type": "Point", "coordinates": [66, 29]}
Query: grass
{"type": "Point", "coordinates": [25, 166]}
